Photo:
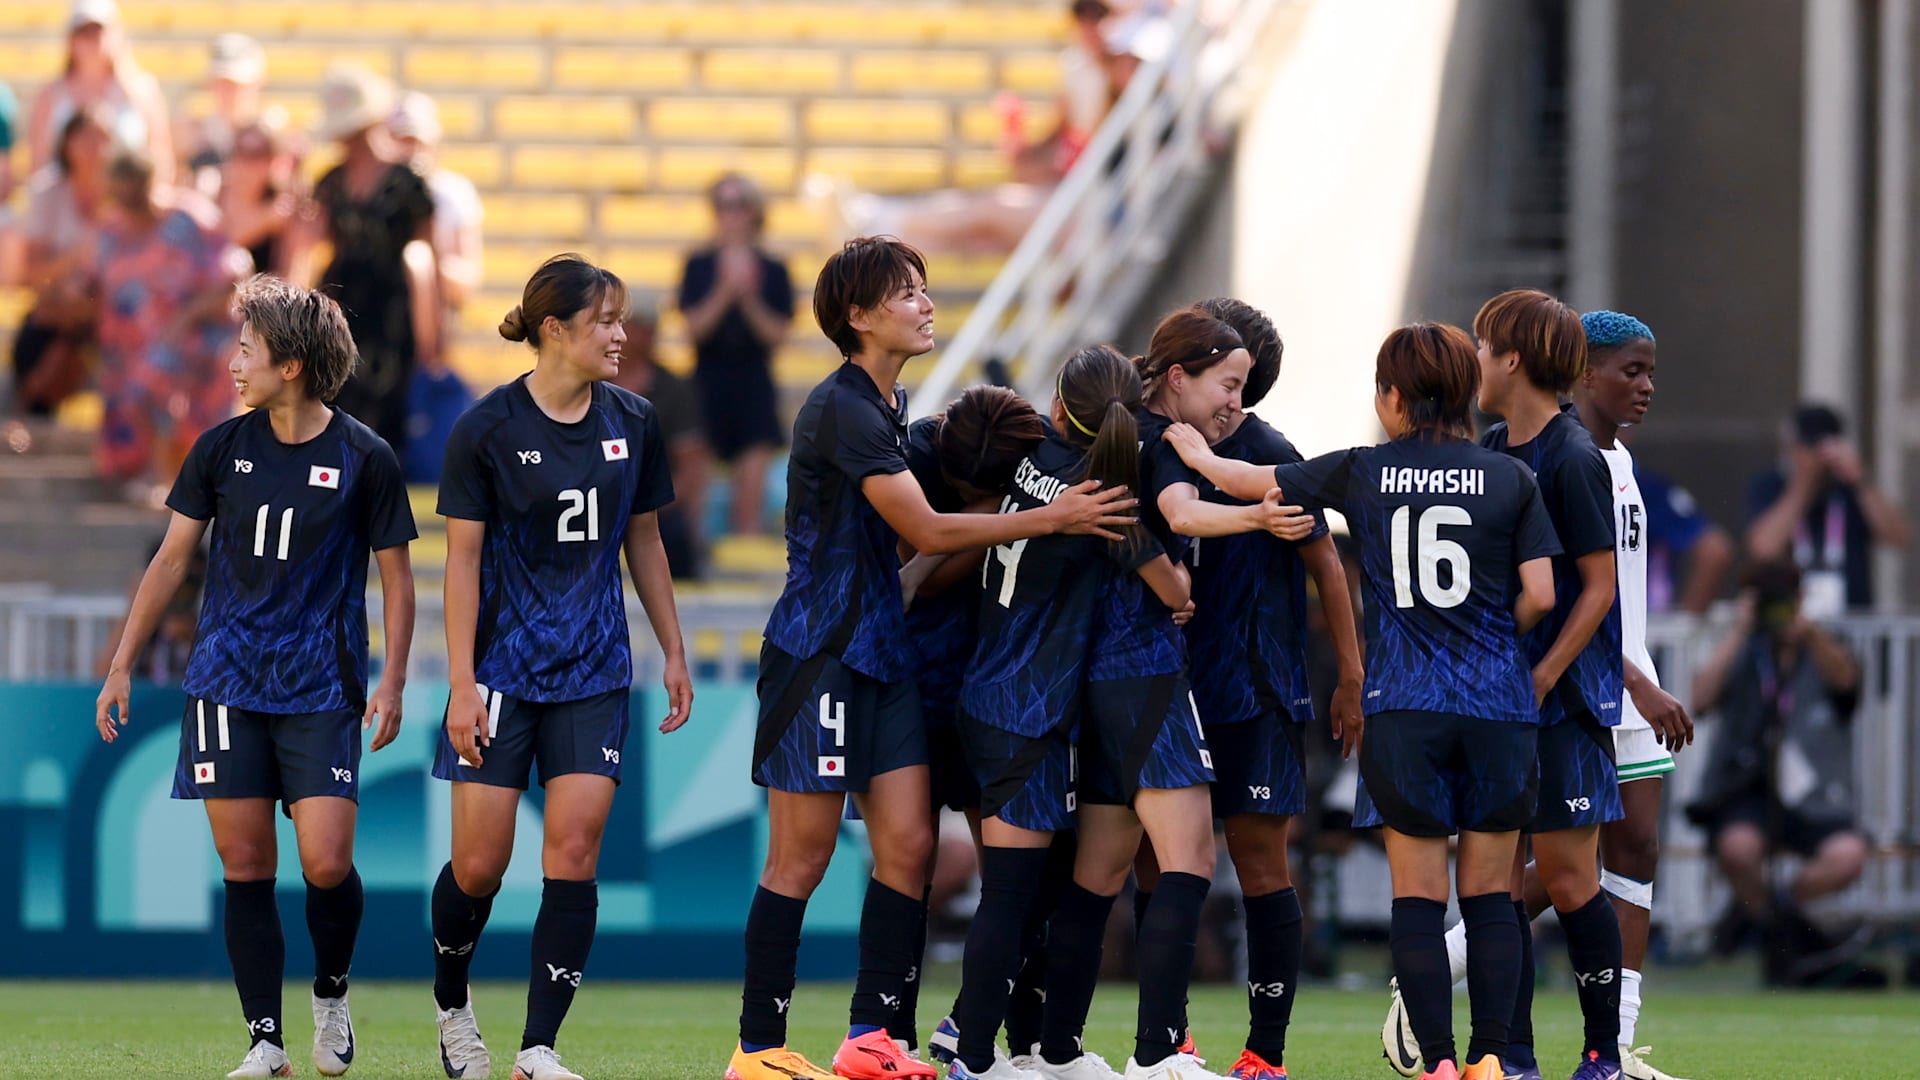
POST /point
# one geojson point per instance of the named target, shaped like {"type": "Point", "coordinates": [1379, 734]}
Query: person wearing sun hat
{"type": "Point", "coordinates": [415, 127]}
{"type": "Point", "coordinates": [236, 80]}
{"type": "Point", "coordinates": [369, 209]}
{"type": "Point", "coordinates": [100, 71]}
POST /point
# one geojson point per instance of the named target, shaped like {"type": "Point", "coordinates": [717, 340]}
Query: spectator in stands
{"type": "Point", "coordinates": [738, 303]}
{"type": "Point", "coordinates": [12, 245]}
{"type": "Point", "coordinates": [259, 203]}
{"type": "Point", "coordinates": [1820, 509]}
{"type": "Point", "coordinates": [66, 204]}
{"type": "Point", "coordinates": [100, 71]}
{"type": "Point", "coordinates": [377, 216]}
{"type": "Point", "coordinates": [677, 405]}
{"type": "Point", "coordinates": [1689, 555]}
{"type": "Point", "coordinates": [236, 80]}
{"type": "Point", "coordinates": [415, 127]}
{"type": "Point", "coordinates": [1781, 775]}
{"type": "Point", "coordinates": [166, 332]}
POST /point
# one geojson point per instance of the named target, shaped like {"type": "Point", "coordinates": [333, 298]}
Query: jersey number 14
{"type": "Point", "coordinates": [1433, 552]}
{"type": "Point", "coordinates": [1008, 556]}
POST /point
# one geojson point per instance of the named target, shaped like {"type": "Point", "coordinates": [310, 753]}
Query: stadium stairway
{"type": "Point", "coordinates": [49, 497]}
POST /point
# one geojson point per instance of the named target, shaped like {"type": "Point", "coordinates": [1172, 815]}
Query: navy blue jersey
{"type": "Point", "coordinates": [843, 570]}
{"type": "Point", "coordinates": [941, 625]}
{"type": "Point", "coordinates": [1442, 529]}
{"type": "Point", "coordinates": [1576, 486]}
{"type": "Point", "coordinates": [555, 499]}
{"type": "Point", "coordinates": [283, 623]}
{"type": "Point", "coordinates": [1133, 634]}
{"type": "Point", "coordinates": [1038, 603]}
{"type": "Point", "coordinates": [1247, 641]}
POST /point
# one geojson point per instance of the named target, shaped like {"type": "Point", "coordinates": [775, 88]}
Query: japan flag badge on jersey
{"type": "Point", "coordinates": [324, 476]}
{"type": "Point", "coordinates": [203, 772]}
{"type": "Point", "coordinates": [615, 449]}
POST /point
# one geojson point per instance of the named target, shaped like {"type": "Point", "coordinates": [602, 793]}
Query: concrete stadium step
{"type": "Point", "coordinates": [85, 546]}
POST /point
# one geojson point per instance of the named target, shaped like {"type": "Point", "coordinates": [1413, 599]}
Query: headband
{"type": "Point", "coordinates": [1059, 391]}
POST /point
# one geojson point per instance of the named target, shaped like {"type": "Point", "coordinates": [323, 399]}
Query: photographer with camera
{"type": "Point", "coordinates": [1781, 775]}
{"type": "Point", "coordinates": [1821, 510]}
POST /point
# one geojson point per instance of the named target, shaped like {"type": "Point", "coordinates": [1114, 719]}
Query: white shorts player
{"type": "Point", "coordinates": [1636, 749]}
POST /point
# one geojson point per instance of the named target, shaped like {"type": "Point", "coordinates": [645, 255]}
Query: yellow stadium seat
{"type": "Point", "coordinates": [460, 117]}
{"type": "Point", "coordinates": [688, 168]}
{"type": "Point", "coordinates": [980, 122]}
{"type": "Point", "coordinates": [720, 120]}
{"type": "Point", "coordinates": [789, 71]}
{"type": "Point", "coordinates": [962, 273]}
{"type": "Point", "coordinates": [508, 265]}
{"type": "Point", "coordinates": [583, 168]}
{"type": "Point", "coordinates": [187, 16]}
{"type": "Point", "coordinates": [805, 365]}
{"type": "Point", "coordinates": [1030, 73]}
{"type": "Point", "coordinates": [656, 268]}
{"type": "Point", "coordinates": [622, 69]}
{"type": "Point", "coordinates": [301, 110]}
{"type": "Point", "coordinates": [1002, 24]}
{"type": "Point", "coordinates": [606, 119]}
{"type": "Point", "coordinates": [30, 62]}
{"type": "Point", "coordinates": [481, 314]}
{"type": "Point", "coordinates": [478, 162]}
{"type": "Point", "coordinates": [794, 219]}
{"type": "Point", "coordinates": [174, 61]}
{"type": "Point", "coordinates": [656, 217]}
{"type": "Point", "coordinates": [80, 412]}
{"type": "Point", "coordinates": [13, 305]}
{"type": "Point", "coordinates": [922, 72]}
{"type": "Point", "coordinates": [289, 64]}
{"type": "Point", "coordinates": [421, 498]}
{"type": "Point", "coordinates": [322, 16]}
{"type": "Point", "coordinates": [882, 170]}
{"type": "Point", "coordinates": [877, 121]}
{"type": "Point", "coordinates": [981, 169]}
{"type": "Point", "coordinates": [465, 66]}
{"type": "Point", "coordinates": [559, 218]}
{"type": "Point", "coordinates": [33, 18]}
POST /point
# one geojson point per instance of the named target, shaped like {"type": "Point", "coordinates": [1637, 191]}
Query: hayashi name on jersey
{"type": "Point", "coordinates": [1406, 480]}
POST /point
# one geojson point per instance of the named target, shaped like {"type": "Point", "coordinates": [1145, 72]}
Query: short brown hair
{"type": "Point", "coordinates": [860, 275]}
{"type": "Point", "coordinates": [299, 324]}
{"type": "Point", "coordinates": [1543, 330]}
{"type": "Point", "coordinates": [983, 435]}
{"type": "Point", "coordinates": [1260, 338]}
{"type": "Point", "coordinates": [1434, 367]}
{"type": "Point", "coordinates": [1189, 339]}
{"type": "Point", "coordinates": [563, 287]}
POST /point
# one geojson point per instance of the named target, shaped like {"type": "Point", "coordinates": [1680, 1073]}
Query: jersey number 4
{"type": "Point", "coordinates": [577, 503]}
{"type": "Point", "coordinates": [1008, 556]}
{"type": "Point", "coordinates": [1433, 552]}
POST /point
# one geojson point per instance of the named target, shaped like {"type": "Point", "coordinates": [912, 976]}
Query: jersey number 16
{"type": "Point", "coordinates": [1433, 552]}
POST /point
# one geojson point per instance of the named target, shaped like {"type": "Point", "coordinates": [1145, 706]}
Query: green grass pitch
{"type": "Point", "coordinates": [673, 1031]}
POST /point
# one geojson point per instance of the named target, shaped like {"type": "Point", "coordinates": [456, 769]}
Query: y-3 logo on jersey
{"type": "Point", "coordinates": [529, 457]}
{"type": "Point", "coordinates": [242, 465]}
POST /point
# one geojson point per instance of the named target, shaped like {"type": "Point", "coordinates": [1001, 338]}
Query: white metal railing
{"type": "Point", "coordinates": [1097, 244]}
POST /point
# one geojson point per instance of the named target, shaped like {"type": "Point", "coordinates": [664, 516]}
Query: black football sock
{"type": "Point", "coordinates": [1167, 937]}
{"type": "Point", "coordinates": [1417, 938]}
{"type": "Point", "coordinates": [1275, 940]}
{"type": "Point", "coordinates": [1009, 878]}
{"type": "Point", "coordinates": [1076, 936]}
{"type": "Point", "coordinates": [1520, 1028]}
{"type": "Point", "coordinates": [457, 921]}
{"type": "Point", "coordinates": [773, 952]}
{"type": "Point", "coordinates": [888, 922]}
{"type": "Point", "coordinates": [1027, 1007]}
{"type": "Point", "coordinates": [258, 952]}
{"type": "Point", "coordinates": [1142, 899]}
{"type": "Point", "coordinates": [1593, 947]}
{"type": "Point", "coordinates": [562, 938]}
{"type": "Point", "coordinates": [333, 921]}
{"type": "Point", "coordinates": [904, 1026]}
{"type": "Point", "coordinates": [1493, 971]}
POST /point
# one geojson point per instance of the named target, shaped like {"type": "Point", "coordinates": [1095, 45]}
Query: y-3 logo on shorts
{"type": "Point", "coordinates": [560, 974]}
{"type": "Point", "coordinates": [612, 755]}
{"type": "Point", "coordinates": [343, 776]}
{"type": "Point", "coordinates": [833, 717]}
{"type": "Point", "coordinates": [1579, 804]}
{"type": "Point", "coordinates": [1260, 792]}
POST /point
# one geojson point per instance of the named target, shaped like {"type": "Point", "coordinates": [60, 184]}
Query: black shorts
{"type": "Point", "coordinates": [1797, 833]}
{"type": "Point", "coordinates": [1025, 781]}
{"type": "Point", "coordinates": [560, 737]}
{"type": "Point", "coordinates": [740, 410]}
{"type": "Point", "coordinates": [826, 727]}
{"type": "Point", "coordinates": [1138, 733]}
{"type": "Point", "coordinates": [949, 777]}
{"type": "Point", "coordinates": [228, 753]}
{"type": "Point", "coordinates": [1257, 767]}
{"type": "Point", "coordinates": [1435, 774]}
{"type": "Point", "coordinates": [1579, 785]}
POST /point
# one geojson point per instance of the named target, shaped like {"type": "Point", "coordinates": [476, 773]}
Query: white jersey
{"type": "Point", "coordinates": [1630, 561]}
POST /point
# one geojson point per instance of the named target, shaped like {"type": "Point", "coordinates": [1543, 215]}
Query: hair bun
{"type": "Point", "coordinates": [514, 326]}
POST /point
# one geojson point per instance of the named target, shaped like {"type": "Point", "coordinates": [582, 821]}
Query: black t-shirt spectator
{"type": "Point", "coordinates": [1833, 538]}
{"type": "Point", "coordinates": [734, 371]}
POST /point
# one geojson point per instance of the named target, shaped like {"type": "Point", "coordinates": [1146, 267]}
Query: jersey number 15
{"type": "Point", "coordinates": [1433, 552]}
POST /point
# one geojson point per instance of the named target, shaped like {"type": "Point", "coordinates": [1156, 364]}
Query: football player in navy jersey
{"type": "Point", "coordinates": [1531, 350]}
{"type": "Point", "coordinates": [297, 493]}
{"type": "Point", "coordinates": [839, 713]}
{"type": "Point", "coordinates": [1247, 649]}
{"type": "Point", "coordinates": [1020, 702]}
{"type": "Point", "coordinates": [1448, 533]}
{"type": "Point", "coordinates": [548, 480]}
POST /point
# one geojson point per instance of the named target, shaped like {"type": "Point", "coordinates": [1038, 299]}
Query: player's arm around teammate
{"type": "Point", "coordinates": [547, 481]}
{"type": "Point", "coordinates": [296, 494]}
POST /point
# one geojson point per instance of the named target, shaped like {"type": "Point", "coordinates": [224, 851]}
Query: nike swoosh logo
{"type": "Point", "coordinates": [1623, 487]}
{"type": "Point", "coordinates": [1407, 1057]}
{"type": "Point", "coordinates": [346, 1058]}
{"type": "Point", "coordinates": [448, 1066]}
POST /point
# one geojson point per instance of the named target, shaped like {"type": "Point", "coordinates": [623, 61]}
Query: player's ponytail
{"type": "Point", "coordinates": [514, 326]}
{"type": "Point", "coordinates": [1099, 392]}
{"type": "Point", "coordinates": [562, 288]}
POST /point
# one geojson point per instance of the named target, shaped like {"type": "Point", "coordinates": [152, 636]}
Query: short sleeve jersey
{"type": "Point", "coordinates": [1134, 634]}
{"type": "Point", "coordinates": [283, 625]}
{"type": "Point", "coordinates": [1247, 641]}
{"type": "Point", "coordinates": [941, 625]}
{"type": "Point", "coordinates": [1039, 600]}
{"type": "Point", "coordinates": [1442, 528]}
{"type": "Point", "coordinates": [556, 498]}
{"type": "Point", "coordinates": [842, 594]}
{"type": "Point", "coordinates": [1577, 487]}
